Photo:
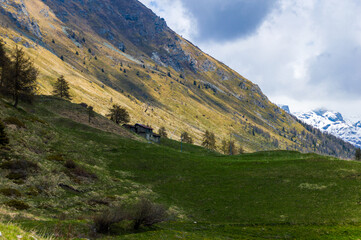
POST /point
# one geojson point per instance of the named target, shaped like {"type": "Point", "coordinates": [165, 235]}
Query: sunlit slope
{"type": "Point", "coordinates": [118, 51]}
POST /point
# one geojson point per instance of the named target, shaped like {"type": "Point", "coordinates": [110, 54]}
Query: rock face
{"type": "Point", "coordinates": [136, 23]}
{"type": "Point", "coordinates": [285, 108]}
{"type": "Point", "coordinates": [17, 11]}
{"type": "Point", "coordinates": [333, 123]}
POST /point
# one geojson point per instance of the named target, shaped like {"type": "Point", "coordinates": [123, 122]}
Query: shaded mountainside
{"type": "Point", "coordinates": [118, 51]}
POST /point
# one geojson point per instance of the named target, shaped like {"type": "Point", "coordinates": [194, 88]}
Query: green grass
{"type": "Point", "coordinates": [272, 195]}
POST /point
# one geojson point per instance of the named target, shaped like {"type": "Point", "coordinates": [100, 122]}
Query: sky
{"type": "Point", "coordinates": [302, 53]}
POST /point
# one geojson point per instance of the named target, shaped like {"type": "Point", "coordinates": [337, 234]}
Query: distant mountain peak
{"type": "Point", "coordinates": [333, 123]}
{"type": "Point", "coordinates": [286, 108]}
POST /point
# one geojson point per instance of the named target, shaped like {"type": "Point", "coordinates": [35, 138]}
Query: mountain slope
{"type": "Point", "coordinates": [333, 123]}
{"type": "Point", "coordinates": [118, 51]}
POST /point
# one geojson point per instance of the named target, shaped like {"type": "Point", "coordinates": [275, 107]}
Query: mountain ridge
{"type": "Point", "coordinates": [333, 123]}
{"type": "Point", "coordinates": [118, 51]}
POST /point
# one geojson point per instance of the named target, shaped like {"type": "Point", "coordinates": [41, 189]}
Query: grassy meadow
{"type": "Point", "coordinates": [264, 195]}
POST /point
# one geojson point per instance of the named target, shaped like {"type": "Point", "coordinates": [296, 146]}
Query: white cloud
{"type": "Point", "coordinates": [305, 53]}
{"type": "Point", "coordinates": [176, 15]}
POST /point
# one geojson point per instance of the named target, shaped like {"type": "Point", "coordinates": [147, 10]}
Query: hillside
{"type": "Point", "coordinates": [118, 51]}
{"type": "Point", "coordinates": [253, 196]}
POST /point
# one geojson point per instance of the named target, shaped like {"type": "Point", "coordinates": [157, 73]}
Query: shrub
{"type": "Point", "coordinates": [19, 165]}
{"type": "Point", "coordinates": [104, 221]}
{"type": "Point", "coordinates": [4, 140]}
{"type": "Point", "coordinates": [70, 164]}
{"type": "Point", "coordinates": [142, 213]}
{"type": "Point", "coordinates": [81, 172]}
{"type": "Point", "coordinates": [10, 192]}
{"type": "Point", "coordinates": [14, 121]}
{"type": "Point", "coordinates": [32, 191]}
{"type": "Point", "coordinates": [147, 213]}
{"type": "Point", "coordinates": [76, 171]}
{"type": "Point", "coordinates": [56, 158]}
{"type": "Point", "coordinates": [17, 204]}
{"type": "Point", "coordinates": [16, 175]}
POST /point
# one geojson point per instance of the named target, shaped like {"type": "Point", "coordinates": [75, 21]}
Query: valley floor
{"type": "Point", "coordinates": [265, 195]}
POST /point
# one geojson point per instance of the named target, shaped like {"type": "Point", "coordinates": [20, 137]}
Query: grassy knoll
{"type": "Point", "coordinates": [265, 195]}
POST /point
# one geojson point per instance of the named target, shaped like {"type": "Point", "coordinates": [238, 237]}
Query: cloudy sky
{"type": "Point", "coordinates": [303, 53]}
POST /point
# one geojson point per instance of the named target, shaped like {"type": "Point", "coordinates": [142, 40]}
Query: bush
{"type": "Point", "coordinates": [19, 165]}
{"type": "Point", "coordinates": [56, 158]}
{"type": "Point", "coordinates": [81, 172]}
{"type": "Point", "coordinates": [4, 140]}
{"type": "Point", "coordinates": [16, 175]}
{"type": "Point", "coordinates": [10, 192]}
{"type": "Point", "coordinates": [147, 213]}
{"type": "Point", "coordinates": [104, 221]}
{"type": "Point", "coordinates": [14, 121]}
{"type": "Point", "coordinates": [17, 204]}
{"type": "Point", "coordinates": [70, 164]}
{"type": "Point", "coordinates": [76, 171]}
{"type": "Point", "coordinates": [142, 213]}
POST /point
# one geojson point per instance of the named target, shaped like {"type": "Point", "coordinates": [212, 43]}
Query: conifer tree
{"type": "Point", "coordinates": [163, 132]}
{"type": "Point", "coordinates": [229, 147]}
{"type": "Point", "coordinates": [91, 114]}
{"type": "Point", "coordinates": [61, 88]}
{"type": "Point", "coordinates": [186, 138]}
{"type": "Point", "coordinates": [358, 154]}
{"type": "Point", "coordinates": [118, 114]}
{"type": "Point", "coordinates": [20, 78]}
{"type": "Point", "coordinates": [209, 140]}
{"type": "Point", "coordinates": [224, 147]}
{"type": "Point", "coordinates": [4, 63]}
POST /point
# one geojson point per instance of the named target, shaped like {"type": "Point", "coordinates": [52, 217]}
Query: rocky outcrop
{"type": "Point", "coordinates": [19, 14]}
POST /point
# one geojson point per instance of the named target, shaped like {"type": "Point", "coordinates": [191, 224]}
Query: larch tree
{"type": "Point", "coordinates": [358, 154]}
{"type": "Point", "coordinates": [186, 138]}
{"type": "Point", "coordinates": [61, 88]}
{"type": "Point", "coordinates": [21, 76]}
{"type": "Point", "coordinates": [209, 140]}
{"type": "Point", "coordinates": [118, 114]}
{"type": "Point", "coordinates": [91, 113]}
{"type": "Point", "coordinates": [4, 63]}
{"type": "Point", "coordinates": [163, 132]}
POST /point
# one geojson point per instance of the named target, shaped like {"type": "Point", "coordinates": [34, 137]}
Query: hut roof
{"type": "Point", "coordinates": [143, 126]}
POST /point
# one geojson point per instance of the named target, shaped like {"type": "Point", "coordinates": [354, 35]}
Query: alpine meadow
{"type": "Point", "coordinates": [114, 126]}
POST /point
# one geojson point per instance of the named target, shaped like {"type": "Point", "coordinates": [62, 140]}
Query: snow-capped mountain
{"type": "Point", "coordinates": [333, 123]}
